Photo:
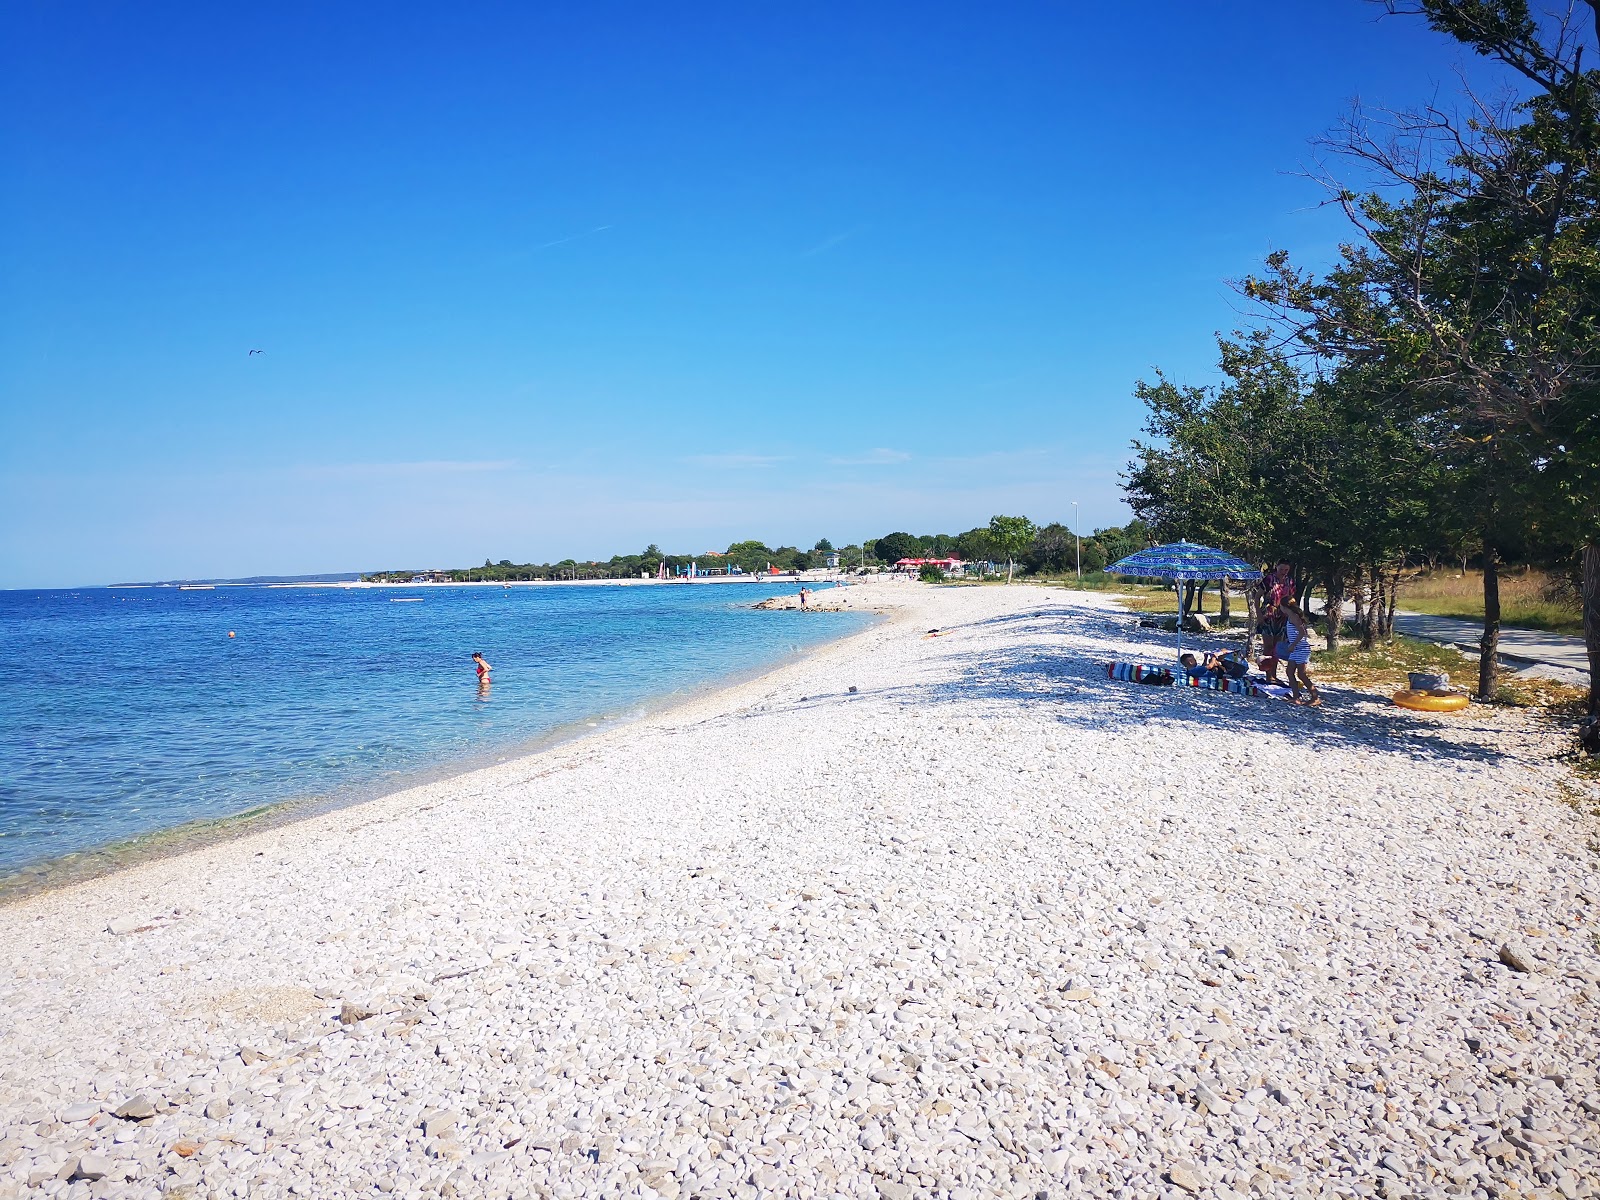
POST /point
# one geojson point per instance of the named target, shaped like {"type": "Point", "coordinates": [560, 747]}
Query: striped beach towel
{"type": "Point", "coordinates": [1139, 673]}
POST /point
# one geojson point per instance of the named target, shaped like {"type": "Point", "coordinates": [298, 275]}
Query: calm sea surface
{"type": "Point", "coordinates": [130, 711]}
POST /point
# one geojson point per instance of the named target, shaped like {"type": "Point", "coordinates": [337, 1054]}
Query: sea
{"type": "Point", "coordinates": [127, 714]}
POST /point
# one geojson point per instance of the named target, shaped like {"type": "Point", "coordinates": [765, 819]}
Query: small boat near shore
{"type": "Point", "coordinates": [197, 587]}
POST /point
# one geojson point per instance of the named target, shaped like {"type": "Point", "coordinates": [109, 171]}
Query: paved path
{"type": "Point", "coordinates": [1556, 655]}
{"type": "Point", "coordinates": [1529, 645]}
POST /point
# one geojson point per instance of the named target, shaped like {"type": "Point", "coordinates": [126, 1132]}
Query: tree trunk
{"type": "Point", "coordinates": [1374, 613]}
{"type": "Point", "coordinates": [1591, 620]}
{"type": "Point", "coordinates": [1394, 591]}
{"type": "Point", "coordinates": [1334, 609]}
{"type": "Point", "coordinates": [1491, 621]}
{"type": "Point", "coordinates": [1224, 603]}
{"type": "Point", "coordinates": [1200, 596]}
{"type": "Point", "coordinates": [1359, 599]}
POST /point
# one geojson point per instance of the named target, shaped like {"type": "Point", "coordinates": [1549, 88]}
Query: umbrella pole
{"type": "Point", "coordinates": [1177, 586]}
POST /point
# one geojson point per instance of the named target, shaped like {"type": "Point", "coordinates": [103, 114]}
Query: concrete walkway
{"type": "Point", "coordinates": [1557, 656]}
{"type": "Point", "coordinates": [1529, 645]}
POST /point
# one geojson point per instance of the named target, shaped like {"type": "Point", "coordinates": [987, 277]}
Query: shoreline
{"type": "Point", "coordinates": [83, 866]}
{"type": "Point", "coordinates": [909, 916]}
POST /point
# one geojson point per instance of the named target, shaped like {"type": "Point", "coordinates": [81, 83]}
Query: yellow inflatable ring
{"type": "Point", "coordinates": [1432, 701]}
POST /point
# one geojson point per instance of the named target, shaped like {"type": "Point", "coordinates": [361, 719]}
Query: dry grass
{"type": "Point", "coordinates": [1529, 598]}
{"type": "Point", "coordinates": [1147, 599]}
{"type": "Point", "coordinates": [1384, 669]}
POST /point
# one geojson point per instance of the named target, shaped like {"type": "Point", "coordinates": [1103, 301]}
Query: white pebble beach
{"type": "Point", "coordinates": [914, 916]}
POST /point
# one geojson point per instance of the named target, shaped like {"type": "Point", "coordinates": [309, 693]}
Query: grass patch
{"type": "Point", "coordinates": [1384, 669]}
{"type": "Point", "coordinates": [1143, 597]}
{"type": "Point", "coordinates": [1528, 598]}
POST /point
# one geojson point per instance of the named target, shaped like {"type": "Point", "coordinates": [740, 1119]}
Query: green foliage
{"type": "Point", "coordinates": [1011, 536]}
{"type": "Point", "coordinates": [930, 574]}
{"type": "Point", "coordinates": [1455, 404]}
{"type": "Point", "coordinates": [891, 548]}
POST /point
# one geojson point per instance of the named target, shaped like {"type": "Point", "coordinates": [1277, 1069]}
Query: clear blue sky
{"type": "Point", "coordinates": [539, 280]}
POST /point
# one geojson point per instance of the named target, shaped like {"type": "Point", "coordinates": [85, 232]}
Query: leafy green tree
{"type": "Point", "coordinates": [750, 556]}
{"type": "Point", "coordinates": [975, 546]}
{"type": "Point", "coordinates": [823, 546]}
{"type": "Point", "coordinates": [1053, 549]}
{"type": "Point", "coordinates": [1012, 537]}
{"type": "Point", "coordinates": [892, 547]}
{"type": "Point", "coordinates": [1476, 277]}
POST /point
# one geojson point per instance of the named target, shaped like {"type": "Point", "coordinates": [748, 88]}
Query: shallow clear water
{"type": "Point", "coordinates": [129, 711]}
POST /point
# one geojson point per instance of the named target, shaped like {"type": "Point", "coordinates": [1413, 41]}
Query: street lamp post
{"type": "Point", "coordinates": [1077, 540]}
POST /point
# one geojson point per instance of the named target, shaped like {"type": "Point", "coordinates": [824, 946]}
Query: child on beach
{"type": "Point", "coordinates": [1295, 651]}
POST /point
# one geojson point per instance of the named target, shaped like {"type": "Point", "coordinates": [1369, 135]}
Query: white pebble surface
{"type": "Point", "coordinates": [915, 916]}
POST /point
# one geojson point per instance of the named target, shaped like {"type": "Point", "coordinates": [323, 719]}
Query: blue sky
{"type": "Point", "coordinates": [534, 281]}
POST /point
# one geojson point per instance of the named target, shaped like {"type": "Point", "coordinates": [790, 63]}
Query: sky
{"type": "Point", "coordinates": [533, 281]}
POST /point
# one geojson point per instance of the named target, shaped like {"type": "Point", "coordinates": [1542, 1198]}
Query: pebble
{"type": "Point", "coordinates": [1515, 955]}
{"type": "Point", "coordinates": [90, 1166]}
{"type": "Point", "coordinates": [136, 1108]}
{"type": "Point", "coordinates": [1185, 1176]}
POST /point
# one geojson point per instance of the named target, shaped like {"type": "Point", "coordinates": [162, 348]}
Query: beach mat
{"type": "Point", "coordinates": [1139, 673]}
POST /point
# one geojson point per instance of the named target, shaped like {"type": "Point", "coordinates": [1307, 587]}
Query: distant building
{"type": "Point", "coordinates": [831, 560]}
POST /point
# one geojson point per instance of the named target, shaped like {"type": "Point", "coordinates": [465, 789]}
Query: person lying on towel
{"type": "Point", "coordinates": [1216, 666]}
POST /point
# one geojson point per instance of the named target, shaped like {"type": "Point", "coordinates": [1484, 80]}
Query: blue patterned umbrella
{"type": "Point", "coordinates": [1186, 561]}
{"type": "Point", "coordinates": [1183, 562]}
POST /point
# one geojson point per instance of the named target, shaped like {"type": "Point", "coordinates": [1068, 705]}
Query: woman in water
{"type": "Point", "coordinates": [483, 667]}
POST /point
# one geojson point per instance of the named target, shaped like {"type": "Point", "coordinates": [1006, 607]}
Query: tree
{"type": "Point", "coordinates": [1476, 277]}
{"type": "Point", "coordinates": [1012, 537]}
{"type": "Point", "coordinates": [823, 546]}
{"type": "Point", "coordinates": [895, 546]}
{"type": "Point", "coordinates": [750, 556]}
{"type": "Point", "coordinates": [1053, 549]}
{"type": "Point", "coordinates": [975, 545]}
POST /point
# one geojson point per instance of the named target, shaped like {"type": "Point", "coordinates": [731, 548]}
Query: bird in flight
{"type": "Point", "coordinates": [255, 352]}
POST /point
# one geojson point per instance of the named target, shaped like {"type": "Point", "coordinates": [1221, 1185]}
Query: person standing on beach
{"type": "Point", "coordinates": [1274, 588]}
{"type": "Point", "coordinates": [1296, 648]}
{"type": "Point", "coordinates": [803, 594]}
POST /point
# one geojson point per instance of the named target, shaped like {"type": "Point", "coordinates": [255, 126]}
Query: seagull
{"type": "Point", "coordinates": [255, 352]}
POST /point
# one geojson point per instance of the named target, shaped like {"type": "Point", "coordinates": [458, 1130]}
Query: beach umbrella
{"type": "Point", "coordinates": [1183, 562]}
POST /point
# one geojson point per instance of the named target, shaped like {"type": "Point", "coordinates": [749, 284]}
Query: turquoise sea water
{"type": "Point", "coordinates": [130, 711]}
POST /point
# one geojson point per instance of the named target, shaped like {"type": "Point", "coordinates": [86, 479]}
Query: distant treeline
{"type": "Point", "coordinates": [750, 557]}
{"type": "Point", "coordinates": [1033, 548]}
{"type": "Point", "coordinates": [1051, 549]}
